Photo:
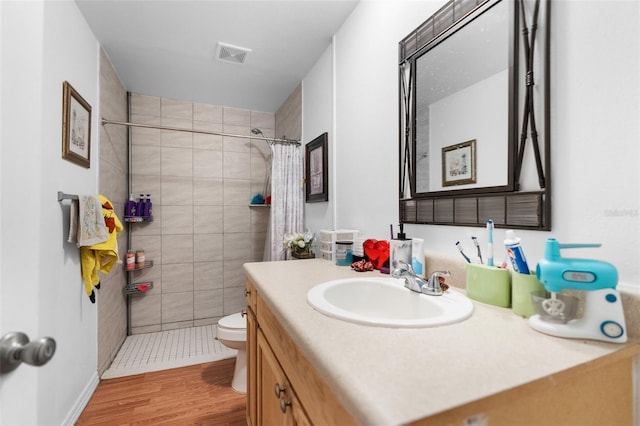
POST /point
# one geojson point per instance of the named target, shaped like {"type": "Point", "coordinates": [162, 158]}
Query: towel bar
{"type": "Point", "coordinates": [63, 196]}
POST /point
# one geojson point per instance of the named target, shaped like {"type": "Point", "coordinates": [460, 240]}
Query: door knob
{"type": "Point", "coordinates": [15, 348]}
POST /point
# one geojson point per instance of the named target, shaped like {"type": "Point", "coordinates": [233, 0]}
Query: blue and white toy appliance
{"type": "Point", "coordinates": [603, 315]}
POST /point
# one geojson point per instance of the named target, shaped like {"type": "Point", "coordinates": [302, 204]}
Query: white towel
{"type": "Point", "coordinates": [86, 222]}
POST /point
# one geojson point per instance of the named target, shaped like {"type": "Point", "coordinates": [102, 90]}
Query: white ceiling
{"type": "Point", "coordinates": [168, 48]}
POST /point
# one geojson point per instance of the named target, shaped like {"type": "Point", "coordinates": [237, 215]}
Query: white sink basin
{"type": "Point", "coordinates": [385, 302]}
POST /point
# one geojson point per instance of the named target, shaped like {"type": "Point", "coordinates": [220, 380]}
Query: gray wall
{"type": "Point", "coordinates": [111, 301]}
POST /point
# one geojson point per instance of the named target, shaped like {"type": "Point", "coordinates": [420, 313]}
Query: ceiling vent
{"type": "Point", "coordinates": [234, 54]}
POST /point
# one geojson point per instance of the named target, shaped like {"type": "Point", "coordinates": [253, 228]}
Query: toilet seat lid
{"type": "Point", "coordinates": [235, 321]}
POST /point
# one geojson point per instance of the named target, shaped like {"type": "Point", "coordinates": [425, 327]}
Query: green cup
{"type": "Point", "coordinates": [489, 284]}
{"type": "Point", "coordinates": [522, 287]}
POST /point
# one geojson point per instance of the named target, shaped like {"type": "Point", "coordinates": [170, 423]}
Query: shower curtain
{"type": "Point", "coordinates": [287, 198]}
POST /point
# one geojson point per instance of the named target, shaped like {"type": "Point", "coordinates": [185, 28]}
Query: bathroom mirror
{"type": "Point", "coordinates": [474, 126]}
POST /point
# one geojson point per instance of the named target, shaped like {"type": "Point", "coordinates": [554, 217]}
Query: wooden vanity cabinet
{"type": "Point", "coordinates": [283, 387]}
{"type": "Point", "coordinates": [252, 352]}
{"type": "Point", "coordinates": [601, 391]}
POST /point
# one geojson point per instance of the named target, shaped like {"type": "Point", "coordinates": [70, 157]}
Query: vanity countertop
{"type": "Point", "coordinates": [394, 376]}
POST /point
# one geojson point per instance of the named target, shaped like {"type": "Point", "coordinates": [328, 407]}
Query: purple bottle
{"type": "Point", "coordinates": [130, 207]}
{"type": "Point", "coordinates": [140, 206]}
{"type": "Point", "coordinates": [147, 206]}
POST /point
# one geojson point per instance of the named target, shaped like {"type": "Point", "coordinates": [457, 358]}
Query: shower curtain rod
{"type": "Point", "coordinates": [207, 132]}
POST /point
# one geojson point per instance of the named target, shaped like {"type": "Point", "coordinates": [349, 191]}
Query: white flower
{"type": "Point", "coordinates": [298, 240]}
{"type": "Point", "coordinates": [308, 236]}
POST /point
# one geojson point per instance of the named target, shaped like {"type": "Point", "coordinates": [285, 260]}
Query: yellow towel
{"type": "Point", "coordinates": [103, 256]}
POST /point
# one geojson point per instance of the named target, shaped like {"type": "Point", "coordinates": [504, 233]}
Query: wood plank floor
{"type": "Point", "coordinates": [196, 395]}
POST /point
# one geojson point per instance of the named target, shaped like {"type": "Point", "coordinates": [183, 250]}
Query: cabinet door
{"type": "Point", "coordinates": [277, 402]}
{"type": "Point", "coordinates": [271, 387]}
{"type": "Point", "coordinates": [252, 363]}
{"type": "Point", "coordinates": [298, 415]}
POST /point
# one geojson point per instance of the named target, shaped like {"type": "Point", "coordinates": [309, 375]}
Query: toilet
{"type": "Point", "coordinates": [232, 332]}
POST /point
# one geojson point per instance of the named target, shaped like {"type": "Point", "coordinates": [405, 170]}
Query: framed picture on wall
{"type": "Point", "coordinates": [459, 163]}
{"type": "Point", "coordinates": [76, 127]}
{"type": "Point", "coordinates": [317, 169]}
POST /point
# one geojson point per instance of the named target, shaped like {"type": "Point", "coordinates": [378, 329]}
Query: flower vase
{"type": "Point", "coordinates": [302, 254]}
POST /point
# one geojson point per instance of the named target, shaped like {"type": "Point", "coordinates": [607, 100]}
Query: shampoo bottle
{"type": "Point", "coordinates": [515, 253]}
{"type": "Point", "coordinates": [140, 206]}
{"type": "Point", "coordinates": [130, 207]}
{"type": "Point", "coordinates": [147, 206]}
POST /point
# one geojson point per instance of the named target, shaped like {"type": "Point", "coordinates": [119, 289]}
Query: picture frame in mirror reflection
{"type": "Point", "coordinates": [317, 169]}
{"type": "Point", "coordinates": [459, 164]}
{"type": "Point", "coordinates": [76, 127]}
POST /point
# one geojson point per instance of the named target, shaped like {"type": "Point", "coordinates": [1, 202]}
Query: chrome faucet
{"type": "Point", "coordinates": [418, 284]}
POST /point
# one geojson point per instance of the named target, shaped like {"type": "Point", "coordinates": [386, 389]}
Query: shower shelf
{"type": "Point", "coordinates": [136, 219]}
{"type": "Point", "coordinates": [259, 205]}
{"type": "Point", "coordinates": [138, 288]}
{"type": "Point", "coordinates": [147, 264]}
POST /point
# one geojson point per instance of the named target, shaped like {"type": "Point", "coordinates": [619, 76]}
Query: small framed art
{"type": "Point", "coordinates": [459, 164]}
{"type": "Point", "coordinates": [76, 127]}
{"type": "Point", "coordinates": [317, 169]}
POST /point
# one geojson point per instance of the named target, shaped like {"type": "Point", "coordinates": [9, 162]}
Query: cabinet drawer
{"type": "Point", "coordinates": [326, 255]}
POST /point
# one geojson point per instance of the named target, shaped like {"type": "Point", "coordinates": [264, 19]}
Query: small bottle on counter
{"type": "Point", "coordinates": [344, 253]}
{"type": "Point", "coordinates": [399, 249]}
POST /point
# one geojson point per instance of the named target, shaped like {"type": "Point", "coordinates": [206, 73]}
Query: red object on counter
{"type": "Point", "coordinates": [377, 251]}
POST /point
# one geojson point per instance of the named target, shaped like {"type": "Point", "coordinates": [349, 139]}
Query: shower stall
{"type": "Point", "coordinates": [201, 165]}
{"type": "Point", "coordinates": [205, 166]}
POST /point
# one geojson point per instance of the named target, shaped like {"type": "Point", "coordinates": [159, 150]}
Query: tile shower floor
{"type": "Point", "coordinates": [143, 353]}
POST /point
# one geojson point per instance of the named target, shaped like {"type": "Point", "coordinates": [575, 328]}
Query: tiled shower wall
{"type": "Point", "coordinates": [111, 301]}
{"type": "Point", "coordinates": [203, 228]}
{"type": "Point", "coordinates": [289, 116]}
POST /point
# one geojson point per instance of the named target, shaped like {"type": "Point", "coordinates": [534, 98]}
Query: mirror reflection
{"type": "Point", "coordinates": [462, 96]}
{"type": "Point", "coordinates": [474, 116]}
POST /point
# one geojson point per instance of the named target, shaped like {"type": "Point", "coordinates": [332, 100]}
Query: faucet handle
{"type": "Point", "coordinates": [433, 284]}
{"type": "Point", "coordinates": [440, 274]}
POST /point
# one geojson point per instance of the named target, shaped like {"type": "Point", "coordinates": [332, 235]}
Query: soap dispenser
{"type": "Point", "coordinates": [400, 249]}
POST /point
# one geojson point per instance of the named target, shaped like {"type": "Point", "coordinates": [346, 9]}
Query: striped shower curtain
{"type": "Point", "coordinates": [287, 198]}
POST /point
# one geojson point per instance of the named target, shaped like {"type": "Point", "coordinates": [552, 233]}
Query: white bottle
{"type": "Point", "coordinates": [417, 256]}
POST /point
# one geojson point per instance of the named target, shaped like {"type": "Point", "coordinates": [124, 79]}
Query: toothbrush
{"type": "Point", "coordinates": [475, 241]}
{"type": "Point", "coordinates": [490, 242]}
{"type": "Point", "coordinates": [462, 252]}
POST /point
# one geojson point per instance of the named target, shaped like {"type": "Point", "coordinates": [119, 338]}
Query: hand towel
{"type": "Point", "coordinates": [101, 257]}
{"type": "Point", "coordinates": [89, 224]}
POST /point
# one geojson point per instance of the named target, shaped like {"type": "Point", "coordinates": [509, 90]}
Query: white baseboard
{"type": "Point", "coordinates": [82, 401]}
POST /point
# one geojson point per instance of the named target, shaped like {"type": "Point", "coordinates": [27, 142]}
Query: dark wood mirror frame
{"type": "Point", "coordinates": [508, 206]}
